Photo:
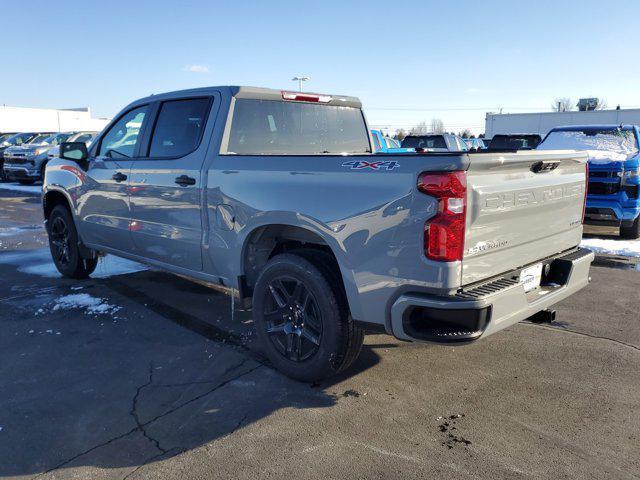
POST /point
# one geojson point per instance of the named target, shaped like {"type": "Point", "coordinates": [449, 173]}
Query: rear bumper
{"type": "Point", "coordinates": [489, 307]}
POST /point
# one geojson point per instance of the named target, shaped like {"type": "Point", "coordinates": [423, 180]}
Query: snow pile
{"type": "Point", "coordinates": [624, 248]}
{"type": "Point", "coordinates": [84, 301]}
{"type": "Point", "coordinates": [604, 147]}
{"type": "Point", "coordinates": [39, 262]}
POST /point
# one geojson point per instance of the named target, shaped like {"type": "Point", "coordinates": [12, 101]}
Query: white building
{"type": "Point", "coordinates": [541, 123]}
{"type": "Point", "coordinates": [20, 119]}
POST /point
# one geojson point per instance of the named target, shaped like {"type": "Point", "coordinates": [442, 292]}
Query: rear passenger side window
{"type": "Point", "coordinates": [179, 127]}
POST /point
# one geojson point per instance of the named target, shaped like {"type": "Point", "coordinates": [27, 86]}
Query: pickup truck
{"type": "Point", "coordinates": [614, 172]}
{"type": "Point", "coordinates": [277, 198]}
{"type": "Point", "coordinates": [382, 144]}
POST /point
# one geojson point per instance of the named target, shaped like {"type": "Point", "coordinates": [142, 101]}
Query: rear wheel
{"type": "Point", "coordinates": [302, 317]}
{"type": "Point", "coordinates": [63, 243]}
{"type": "Point", "coordinates": [631, 232]}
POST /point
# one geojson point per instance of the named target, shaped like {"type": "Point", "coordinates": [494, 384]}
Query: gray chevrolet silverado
{"type": "Point", "coordinates": [276, 198]}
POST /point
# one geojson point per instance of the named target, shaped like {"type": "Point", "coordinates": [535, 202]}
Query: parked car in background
{"type": "Point", "coordinates": [85, 137]}
{"type": "Point", "coordinates": [514, 142]}
{"type": "Point", "coordinates": [13, 140]}
{"type": "Point", "coordinates": [26, 163]}
{"type": "Point", "coordinates": [614, 172]}
{"type": "Point", "coordinates": [384, 144]}
{"type": "Point", "coordinates": [476, 143]}
{"type": "Point", "coordinates": [435, 143]}
{"type": "Point", "coordinates": [277, 198]}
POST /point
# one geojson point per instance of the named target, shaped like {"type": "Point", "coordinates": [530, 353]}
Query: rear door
{"type": "Point", "coordinates": [103, 206]}
{"type": "Point", "coordinates": [166, 184]}
{"type": "Point", "coordinates": [521, 208]}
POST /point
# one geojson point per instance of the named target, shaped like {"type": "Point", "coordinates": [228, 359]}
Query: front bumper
{"type": "Point", "coordinates": [489, 307]}
{"type": "Point", "coordinates": [18, 173]}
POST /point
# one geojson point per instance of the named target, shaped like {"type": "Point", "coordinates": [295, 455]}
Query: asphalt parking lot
{"type": "Point", "coordinates": [140, 374]}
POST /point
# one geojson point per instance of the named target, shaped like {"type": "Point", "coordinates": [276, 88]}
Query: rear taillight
{"type": "Point", "coordinates": [305, 97]}
{"type": "Point", "coordinates": [444, 233]}
{"type": "Point", "coordinates": [586, 190]}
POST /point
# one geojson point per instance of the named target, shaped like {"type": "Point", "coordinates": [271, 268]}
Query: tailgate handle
{"type": "Point", "coordinates": [541, 167]}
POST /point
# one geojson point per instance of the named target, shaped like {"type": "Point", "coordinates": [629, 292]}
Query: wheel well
{"type": "Point", "coordinates": [266, 242]}
{"type": "Point", "coordinates": [51, 200]}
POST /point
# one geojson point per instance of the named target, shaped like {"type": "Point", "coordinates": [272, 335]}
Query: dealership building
{"type": "Point", "coordinates": [541, 123]}
{"type": "Point", "coordinates": [21, 119]}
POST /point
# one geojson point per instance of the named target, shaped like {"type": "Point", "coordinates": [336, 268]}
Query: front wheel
{"type": "Point", "coordinates": [302, 318]}
{"type": "Point", "coordinates": [63, 243]}
{"type": "Point", "coordinates": [632, 232]}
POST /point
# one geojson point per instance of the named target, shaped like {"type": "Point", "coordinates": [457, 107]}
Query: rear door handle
{"type": "Point", "coordinates": [119, 177]}
{"type": "Point", "coordinates": [185, 181]}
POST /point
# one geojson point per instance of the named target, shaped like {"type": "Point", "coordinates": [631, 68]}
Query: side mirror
{"type": "Point", "coordinates": [74, 151]}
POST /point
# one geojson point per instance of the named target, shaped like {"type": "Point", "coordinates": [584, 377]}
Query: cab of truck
{"type": "Point", "coordinates": [614, 172]}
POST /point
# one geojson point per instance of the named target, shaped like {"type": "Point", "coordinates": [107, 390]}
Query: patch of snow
{"type": "Point", "coordinates": [625, 248]}
{"type": "Point", "coordinates": [605, 147]}
{"type": "Point", "coordinates": [39, 262]}
{"type": "Point", "coordinates": [84, 301]}
{"type": "Point", "coordinates": [16, 187]}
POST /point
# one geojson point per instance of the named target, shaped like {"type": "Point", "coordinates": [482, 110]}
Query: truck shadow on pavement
{"type": "Point", "coordinates": [124, 390]}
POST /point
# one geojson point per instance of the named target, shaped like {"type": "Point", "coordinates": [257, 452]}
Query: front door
{"type": "Point", "coordinates": [103, 200]}
{"type": "Point", "coordinates": [166, 185]}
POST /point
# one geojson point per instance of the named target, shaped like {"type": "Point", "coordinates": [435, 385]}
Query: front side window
{"type": "Point", "coordinates": [267, 127]}
{"type": "Point", "coordinates": [179, 127]}
{"type": "Point", "coordinates": [122, 138]}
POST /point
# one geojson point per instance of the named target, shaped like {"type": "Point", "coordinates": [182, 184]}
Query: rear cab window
{"type": "Point", "coordinates": [271, 127]}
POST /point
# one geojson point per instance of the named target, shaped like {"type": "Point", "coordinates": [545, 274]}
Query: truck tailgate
{"type": "Point", "coordinates": [521, 207]}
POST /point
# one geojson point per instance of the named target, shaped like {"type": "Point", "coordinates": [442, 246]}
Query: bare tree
{"type": "Point", "coordinates": [563, 104]}
{"type": "Point", "coordinates": [400, 134]}
{"type": "Point", "coordinates": [466, 133]}
{"type": "Point", "coordinates": [420, 129]}
{"type": "Point", "coordinates": [437, 126]}
{"type": "Point", "coordinates": [602, 104]}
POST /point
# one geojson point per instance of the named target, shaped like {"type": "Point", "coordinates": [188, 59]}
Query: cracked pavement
{"type": "Point", "coordinates": [172, 387]}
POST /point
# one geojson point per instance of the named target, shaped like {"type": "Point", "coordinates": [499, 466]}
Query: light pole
{"type": "Point", "coordinates": [300, 79]}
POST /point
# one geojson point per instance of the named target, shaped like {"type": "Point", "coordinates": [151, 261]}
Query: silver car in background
{"type": "Point", "coordinates": [26, 163]}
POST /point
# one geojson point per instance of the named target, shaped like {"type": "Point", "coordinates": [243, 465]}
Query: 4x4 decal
{"type": "Point", "coordinates": [380, 165]}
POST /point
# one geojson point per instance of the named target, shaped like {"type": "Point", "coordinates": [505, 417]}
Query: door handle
{"type": "Point", "coordinates": [119, 177]}
{"type": "Point", "coordinates": [185, 181]}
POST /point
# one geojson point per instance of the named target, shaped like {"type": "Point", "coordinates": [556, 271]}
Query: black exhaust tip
{"type": "Point", "coordinates": [545, 316]}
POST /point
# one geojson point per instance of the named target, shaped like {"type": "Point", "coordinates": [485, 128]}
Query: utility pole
{"type": "Point", "coordinates": [300, 79]}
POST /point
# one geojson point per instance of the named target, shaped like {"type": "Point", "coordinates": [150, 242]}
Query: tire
{"type": "Point", "coordinates": [26, 182]}
{"type": "Point", "coordinates": [63, 243]}
{"type": "Point", "coordinates": [632, 232]}
{"type": "Point", "coordinates": [302, 317]}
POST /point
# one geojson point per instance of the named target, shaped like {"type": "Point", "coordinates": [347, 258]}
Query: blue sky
{"type": "Point", "coordinates": [407, 60]}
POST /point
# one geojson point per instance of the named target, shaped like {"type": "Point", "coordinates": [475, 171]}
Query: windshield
{"type": "Point", "coordinates": [42, 138]}
{"type": "Point", "coordinates": [19, 138]}
{"type": "Point", "coordinates": [424, 141]}
{"type": "Point", "coordinates": [5, 137]}
{"type": "Point", "coordinates": [57, 139]}
{"type": "Point", "coordinates": [620, 142]}
{"type": "Point", "coordinates": [266, 127]}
